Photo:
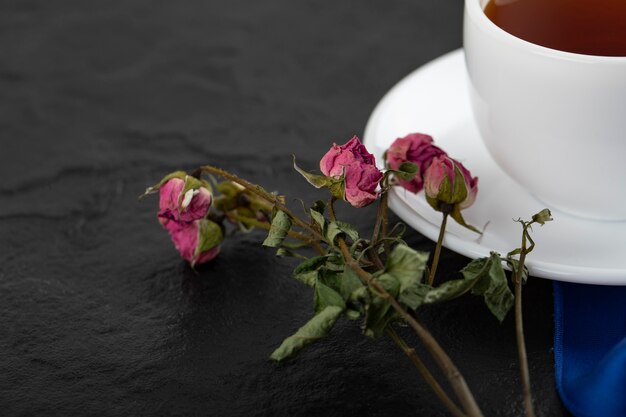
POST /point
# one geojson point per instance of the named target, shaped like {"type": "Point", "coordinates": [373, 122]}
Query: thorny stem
{"type": "Point", "coordinates": [519, 328]}
{"type": "Point", "coordinates": [439, 355]}
{"type": "Point", "coordinates": [442, 230]}
{"type": "Point", "coordinates": [423, 370]}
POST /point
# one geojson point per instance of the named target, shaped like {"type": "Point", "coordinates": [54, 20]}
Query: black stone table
{"type": "Point", "coordinates": [99, 316]}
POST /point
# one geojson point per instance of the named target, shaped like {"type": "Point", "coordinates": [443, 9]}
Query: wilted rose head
{"type": "Point", "coordinates": [353, 164]}
{"type": "Point", "coordinates": [183, 202]}
{"type": "Point", "coordinates": [418, 149]}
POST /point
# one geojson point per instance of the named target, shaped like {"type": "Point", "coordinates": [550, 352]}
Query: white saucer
{"type": "Point", "coordinates": [434, 100]}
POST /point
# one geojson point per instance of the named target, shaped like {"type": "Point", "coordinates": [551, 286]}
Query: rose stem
{"type": "Point", "coordinates": [373, 252]}
{"type": "Point", "coordinates": [433, 268]}
{"type": "Point", "coordinates": [384, 200]}
{"type": "Point", "coordinates": [443, 360]}
{"type": "Point", "coordinates": [331, 209]}
{"type": "Point", "coordinates": [423, 370]}
{"type": "Point", "coordinates": [519, 330]}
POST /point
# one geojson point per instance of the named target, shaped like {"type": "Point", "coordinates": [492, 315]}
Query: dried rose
{"type": "Point", "coordinates": [197, 241]}
{"type": "Point", "coordinates": [418, 149]}
{"type": "Point", "coordinates": [355, 167]}
{"type": "Point", "coordinates": [450, 187]}
{"type": "Point", "coordinates": [183, 200]}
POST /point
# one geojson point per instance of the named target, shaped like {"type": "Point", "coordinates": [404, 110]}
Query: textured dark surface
{"type": "Point", "coordinates": [98, 316]}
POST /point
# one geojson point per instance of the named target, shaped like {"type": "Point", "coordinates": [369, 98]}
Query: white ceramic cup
{"type": "Point", "coordinates": [554, 121]}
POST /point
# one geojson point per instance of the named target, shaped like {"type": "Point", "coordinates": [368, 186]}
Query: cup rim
{"type": "Point", "coordinates": [476, 13]}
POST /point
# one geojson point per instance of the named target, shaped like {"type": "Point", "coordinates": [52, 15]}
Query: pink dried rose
{"type": "Point", "coordinates": [353, 164]}
{"type": "Point", "coordinates": [197, 241]}
{"type": "Point", "coordinates": [184, 206]}
{"type": "Point", "coordinates": [184, 203]}
{"type": "Point", "coordinates": [418, 149]}
{"type": "Point", "coordinates": [450, 187]}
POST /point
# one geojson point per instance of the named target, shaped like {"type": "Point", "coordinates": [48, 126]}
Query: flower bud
{"type": "Point", "coordinates": [418, 149]}
{"type": "Point", "coordinates": [448, 181]}
{"type": "Point", "coordinates": [543, 216]}
{"type": "Point", "coordinates": [356, 167]}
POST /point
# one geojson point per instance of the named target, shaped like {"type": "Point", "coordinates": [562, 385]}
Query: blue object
{"type": "Point", "coordinates": [590, 348]}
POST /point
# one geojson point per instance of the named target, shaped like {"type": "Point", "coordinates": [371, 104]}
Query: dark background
{"type": "Point", "coordinates": [99, 316]}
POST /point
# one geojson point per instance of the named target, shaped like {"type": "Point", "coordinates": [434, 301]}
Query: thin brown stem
{"type": "Point", "coordinates": [331, 209]}
{"type": "Point", "coordinates": [379, 220]}
{"type": "Point", "coordinates": [384, 201]}
{"type": "Point", "coordinates": [442, 231]}
{"type": "Point", "coordinates": [519, 333]}
{"type": "Point", "coordinates": [450, 371]}
{"type": "Point", "coordinates": [423, 370]}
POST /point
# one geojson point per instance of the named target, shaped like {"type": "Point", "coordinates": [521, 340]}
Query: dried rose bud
{"type": "Point", "coordinates": [543, 216]}
{"type": "Point", "coordinates": [448, 181]}
{"type": "Point", "coordinates": [183, 200]}
{"type": "Point", "coordinates": [418, 149]}
{"type": "Point", "coordinates": [197, 241]}
{"type": "Point", "coordinates": [450, 187]}
{"type": "Point", "coordinates": [353, 164]}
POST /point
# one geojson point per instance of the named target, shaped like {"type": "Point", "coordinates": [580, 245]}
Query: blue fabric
{"type": "Point", "coordinates": [590, 348]}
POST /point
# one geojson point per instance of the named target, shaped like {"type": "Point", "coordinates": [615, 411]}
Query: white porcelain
{"type": "Point", "coordinates": [434, 99]}
{"type": "Point", "coordinates": [554, 121]}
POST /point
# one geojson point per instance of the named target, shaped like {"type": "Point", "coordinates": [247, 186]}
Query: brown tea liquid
{"type": "Point", "coordinates": [592, 27]}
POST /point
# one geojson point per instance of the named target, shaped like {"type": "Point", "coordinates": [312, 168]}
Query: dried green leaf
{"type": "Point", "coordinates": [348, 229]}
{"type": "Point", "coordinates": [316, 180]}
{"type": "Point", "coordinates": [319, 219]}
{"type": "Point", "coordinates": [349, 283]}
{"type": "Point", "coordinates": [157, 186]}
{"type": "Point", "coordinates": [378, 312]}
{"type": "Point", "coordinates": [209, 236]}
{"type": "Point", "coordinates": [458, 217]}
{"type": "Point", "coordinates": [406, 171]}
{"type": "Point", "coordinates": [325, 296]}
{"type": "Point", "coordinates": [281, 224]}
{"type": "Point", "coordinates": [313, 330]}
{"type": "Point", "coordinates": [513, 265]}
{"type": "Point", "coordinates": [483, 276]}
{"type": "Point", "coordinates": [308, 271]}
{"type": "Point", "coordinates": [353, 314]}
{"type": "Point", "coordinates": [498, 296]}
{"type": "Point", "coordinates": [448, 290]}
{"type": "Point", "coordinates": [407, 266]}
{"type": "Point", "coordinates": [490, 282]}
